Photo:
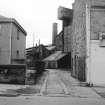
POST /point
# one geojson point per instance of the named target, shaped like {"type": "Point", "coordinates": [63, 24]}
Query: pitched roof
{"type": "Point", "coordinates": [56, 56]}
{"type": "Point", "coordinates": [12, 20]}
{"type": "Point", "coordinates": [50, 47]}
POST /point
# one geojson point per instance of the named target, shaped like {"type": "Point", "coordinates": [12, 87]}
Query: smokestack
{"type": "Point", "coordinates": [54, 33]}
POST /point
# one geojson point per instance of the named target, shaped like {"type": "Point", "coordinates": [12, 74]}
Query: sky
{"type": "Point", "coordinates": [35, 16]}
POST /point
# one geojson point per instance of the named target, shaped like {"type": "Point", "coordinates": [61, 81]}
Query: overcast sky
{"type": "Point", "coordinates": [35, 16]}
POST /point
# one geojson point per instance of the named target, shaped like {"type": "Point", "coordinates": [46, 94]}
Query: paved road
{"type": "Point", "coordinates": [60, 83]}
{"type": "Point", "coordinates": [53, 84]}
{"type": "Point", "coordinates": [59, 88]}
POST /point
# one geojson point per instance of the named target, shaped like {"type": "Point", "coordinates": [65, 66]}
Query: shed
{"type": "Point", "coordinates": [57, 60]}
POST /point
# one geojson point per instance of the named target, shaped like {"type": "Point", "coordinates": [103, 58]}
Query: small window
{"type": "Point", "coordinates": [17, 34]}
{"type": "Point", "coordinates": [17, 53]}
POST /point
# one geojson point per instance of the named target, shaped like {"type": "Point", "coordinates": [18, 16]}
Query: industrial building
{"type": "Point", "coordinates": [12, 51]}
{"type": "Point", "coordinates": [12, 41]}
{"type": "Point", "coordinates": [87, 41]}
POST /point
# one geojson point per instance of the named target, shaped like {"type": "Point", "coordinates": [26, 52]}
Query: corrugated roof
{"type": "Point", "coordinates": [50, 47]}
{"type": "Point", "coordinates": [56, 56]}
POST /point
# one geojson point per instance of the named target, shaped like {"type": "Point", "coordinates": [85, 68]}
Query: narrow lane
{"type": "Point", "coordinates": [53, 84]}
{"type": "Point", "coordinates": [60, 83]}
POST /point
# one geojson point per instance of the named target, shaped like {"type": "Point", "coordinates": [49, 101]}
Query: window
{"type": "Point", "coordinates": [17, 53]}
{"type": "Point", "coordinates": [17, 34]}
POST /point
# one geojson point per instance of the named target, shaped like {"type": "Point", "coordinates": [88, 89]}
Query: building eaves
{"type": "Point", "coordinates": [50, 47]}
{"type": "Point", "coordinates": [12, 20]}
{"type": "Point", "coordinates": [55, 57]}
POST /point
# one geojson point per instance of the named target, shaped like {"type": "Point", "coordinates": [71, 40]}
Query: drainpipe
{"type": "Point", "coordinates": [88, 46]}
{"type": "Point", "coordinates": [10, 59]}
{"type": "Point", "coordinates": [63, 37]}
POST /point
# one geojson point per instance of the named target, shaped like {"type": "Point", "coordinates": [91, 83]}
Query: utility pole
{"type": "Point", "coordinates": [33, 45]}
{"type": "Point", "coordinates": [33, 40]}
{"type": "Point", "coordinates": [39, 50]}
{"type": "Point", "coordinates": [33, 51]}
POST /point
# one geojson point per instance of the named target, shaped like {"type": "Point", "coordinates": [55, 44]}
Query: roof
{"type": "Point", "coordinates": [12, 20]}
{"type": "Point", "coordinates": [56, 56]}
{"type": "Point", "coordinates": [34, 47]}
{"type": "Point", "coordinates": [50, 47]}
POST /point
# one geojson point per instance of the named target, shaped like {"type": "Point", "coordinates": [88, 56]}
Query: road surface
{"type": "Point", "coordinates": [58, 88]}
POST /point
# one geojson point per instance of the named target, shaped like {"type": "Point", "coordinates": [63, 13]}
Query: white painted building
{"type": "Point", "coordinates": [95, 43]}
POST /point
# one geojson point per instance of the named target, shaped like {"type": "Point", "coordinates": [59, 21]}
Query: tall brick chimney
{"type": "Point", "coordinates": [54, 33]}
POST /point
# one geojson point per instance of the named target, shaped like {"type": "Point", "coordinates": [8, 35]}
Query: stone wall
{"type": "Point", "coordinates": [67, 38]}
{"type": "Point", "coordinates": [79, 39]}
